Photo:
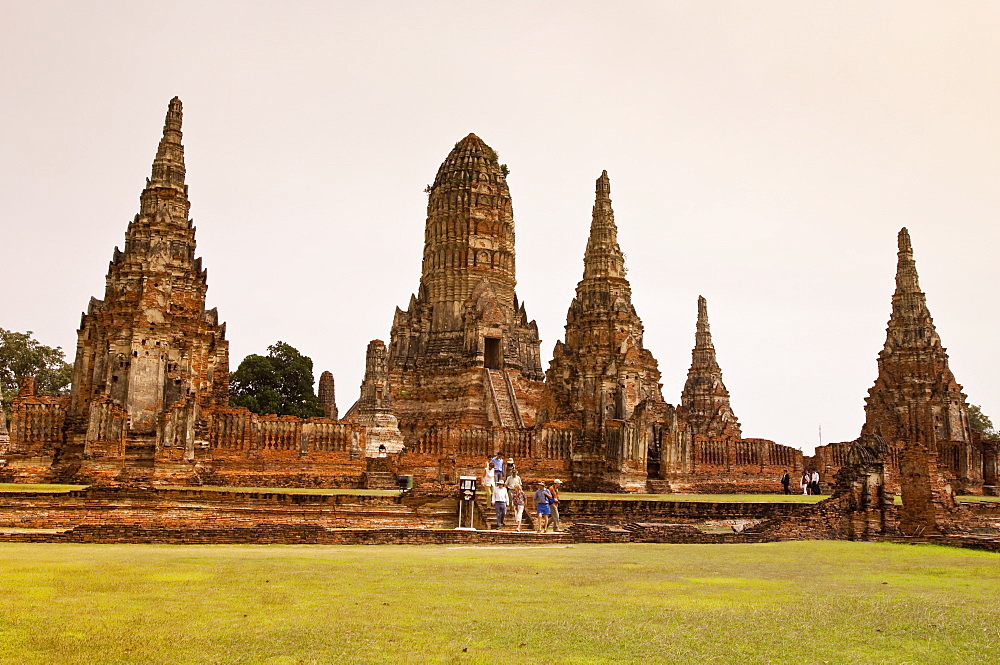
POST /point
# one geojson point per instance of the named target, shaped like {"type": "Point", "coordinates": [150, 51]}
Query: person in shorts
{"type": "Point", "coordinates": [542, 497]}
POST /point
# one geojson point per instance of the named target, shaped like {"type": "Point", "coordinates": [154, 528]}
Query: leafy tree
{"type": "Point", "coordinates": [280, 382]}
{"type": "Point", "coordinates": [980, 422]}
{"type": "Point", "coordinates": [22, 355]}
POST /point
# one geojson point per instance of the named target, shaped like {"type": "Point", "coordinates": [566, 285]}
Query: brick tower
{"type": "Point", "coordinates": [149, 356]}
{"type": "Point", "coordinates": [464, 350]}
{"type": "Point", "coordinates": [704, 408]}
{"type": "Point", "coordinates": [327, 395]}
{"type": "Point", "coordinates": [601, 380]}
{"type": "Point", "coordinates": [915, 397]}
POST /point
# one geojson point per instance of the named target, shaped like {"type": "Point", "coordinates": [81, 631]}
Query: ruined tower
{"type": "Point", "coordinates": [602, 382]}
{"type": "Point", "coordinates": [464, 350]}
{"type": "Point", "coordinates": [916, 399]}
{"type": "Point", "coordinates": [915, 396]}
{"type": "Point", "coordinates": [327, 395]}
{"type": "Point", "coordinates": [704, 407]}
{"type": "Point", "coordinates": [374, 408]}
{"type": "Point", "coordinates": [149, 355]}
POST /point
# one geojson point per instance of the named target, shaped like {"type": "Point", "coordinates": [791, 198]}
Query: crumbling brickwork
{"type": "Point", "coordinates": [916, 399]}
{"type": "Point", "coordinates": [373, 410]}
{"type": "Point", "coordinates": [602, 382]}
{"type": "Point", "coordinates": [464, 351]}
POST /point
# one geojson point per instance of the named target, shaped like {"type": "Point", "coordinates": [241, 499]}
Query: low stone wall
{"type": "Point", "coordinates": [624, 510]}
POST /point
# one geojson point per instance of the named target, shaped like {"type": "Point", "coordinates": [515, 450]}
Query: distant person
{"type": "Point", "coordinates": [542, 497]}
{"type": "Point", "coordinates": [517, 499]}
{"type": "Point", "coordinates": [500, 501]}
{"type": "Point", "coordinates": [815, 483]}
{"type": "Point", "coordinates": [498, 466]}
{"type": "Point", "coordinates": [554, 503]}
{"type": "Point", "coordinates": [786, 480]}
{"type": "Point", "coordinates": [509, 469]}
{"type": "Point", "coordinates": [804, 482]}
{"type": "Point", "coordinates": [489, 481]}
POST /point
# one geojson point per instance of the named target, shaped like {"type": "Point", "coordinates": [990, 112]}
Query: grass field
{"type": "Point", "coordinates": [805, 602]}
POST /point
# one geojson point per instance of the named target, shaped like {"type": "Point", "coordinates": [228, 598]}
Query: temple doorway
{"type": "Point", "coordinates": [492, 358]}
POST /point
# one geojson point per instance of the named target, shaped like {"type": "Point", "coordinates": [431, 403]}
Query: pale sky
{"type": "Point", "coordinates": [762, 154]}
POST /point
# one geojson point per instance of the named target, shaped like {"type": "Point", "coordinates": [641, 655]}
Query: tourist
{"type": "Point", "coordinates": [500, 501]}
{"type": "Point", "coordinates": [815, 483]}
{"type": "Point", "coordinates": [513, 480]}
{"type": "Point", "coordinates": [498, 466]}
{"type": "Point", "coordinates": [804, 482]}
{"type": "Point", "coordinates": [489, 481]}
{"type": "Point", "coordinates": [542, 497]}
{"type": "Point", "coordinates": [517, 499]}
{"type": "Point", "coordinates": [554, 503]}
{"type": "Point", "coordinates": [509, 470]}
{"type": "Point", "coordinates": [786, 480]}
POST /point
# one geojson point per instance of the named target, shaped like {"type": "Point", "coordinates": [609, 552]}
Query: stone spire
{"type": "Point", "coordinates": [465, 316]}
{"type": "Point", "coordinates": [601, 372]}
{"type": "Point", "coordinates": [374, 408]}
{"type": "Point", "coordinates": [150, 344]}
{"type": "Point", "coordinates": [705, 407]}
{"type": "Point", "coordinates": [327, 396]}
{"type": "Point", "coordinates": [915, 397]}
{"type": "Point", "coordinates": [603, 257]}
{"type": "Point", "coordinates": [165, 189]}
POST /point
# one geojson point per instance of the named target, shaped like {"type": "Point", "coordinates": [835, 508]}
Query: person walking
{"type": "Point", "coordinates": [509, 469]}
{"type": "Point", "coordinates": [498, 466]}
{"type": "Point", "coordinates": [489, 481]}
{"type": "Point", "coordinates": [513, 480]}
{"type": "Point", "coordinates": [804, 482]}
{"type": "Point", "coordinates": [517, 499]}
{"type": "Point", "coordinates": [815, 483]}
{"type": "Point", "coordinates": [786, 480]}
{"type": "Point", "coordinates": [554, 504]}
{"type": "Point", "coordinates": [542, 497]}
{"type": "Point", "coordinates": [500, 501]}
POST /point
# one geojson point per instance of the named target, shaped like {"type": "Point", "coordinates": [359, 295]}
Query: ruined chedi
{"type": "Point", "coordinates": [464, 351]}
{"type": "Point", "coordinates": [602, 382]}
{"type": "Point", "coordinates": [374, 408]}
{"type": "Point", "coordinates": [149, 355]}
{"type": "Point", "coordinates": [915, 397]}
{"type": "Point", "coordinates": [704, 408]}
{"type": "Point", "coordinates": [327, 395]}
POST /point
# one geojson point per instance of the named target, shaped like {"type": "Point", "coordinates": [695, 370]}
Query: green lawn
{"type": "Point", "coordinates": [286, 490]}
{"type": "Point", "coordinates": [28, 487]}
{"type": "Point", "coordinates": [729, 498]}
{"type": "Point", "coordinates": [802, 602]}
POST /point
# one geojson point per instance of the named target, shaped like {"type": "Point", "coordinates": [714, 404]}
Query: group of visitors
{"type": "Point", "coordinates": [809, 482]}
{"type": "Point", "coordinates": [505, 488]}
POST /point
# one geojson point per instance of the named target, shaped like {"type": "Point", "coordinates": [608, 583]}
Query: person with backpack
{"type": "Point", "coordinates": [542, 497]}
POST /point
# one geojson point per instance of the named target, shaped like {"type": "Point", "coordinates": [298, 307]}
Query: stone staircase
{"type": "Point", "coordinates": [658, 487]}
{"type": "Point", "coordinates": [502, 399]}
{"type": "Point", "coordinates": [378, 475]}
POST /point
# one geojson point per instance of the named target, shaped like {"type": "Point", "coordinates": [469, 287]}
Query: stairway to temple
{"type": "Point", "coordinates": [378, 475]}
{"type": "Point", "coordinates": [502, 400]}
{"type": "Point", "coordinates": [658, 487]}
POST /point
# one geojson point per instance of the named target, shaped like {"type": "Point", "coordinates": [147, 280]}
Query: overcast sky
{"type": "Point", "coordinates": [762, 154]}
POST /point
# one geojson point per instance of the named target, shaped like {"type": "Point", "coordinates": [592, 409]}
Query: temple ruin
{"type": "Point", "coordinates": [462, 378]}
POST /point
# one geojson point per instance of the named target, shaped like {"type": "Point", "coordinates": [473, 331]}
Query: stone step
{"type": "Point", "coordinates": [380, 480]}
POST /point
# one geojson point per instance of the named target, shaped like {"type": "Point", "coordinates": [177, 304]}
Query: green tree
{"type": "Point", "coordinates": [980, 422]}
{"type": "Point", "coordinates": [22, 355]}
{"type": "Point", "coordinates": [280, 382]}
